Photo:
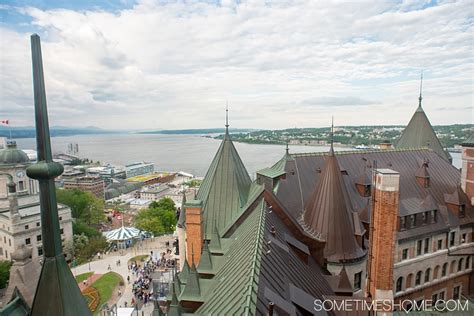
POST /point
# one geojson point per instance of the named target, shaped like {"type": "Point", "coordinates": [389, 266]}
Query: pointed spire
{"type": "Point", "coordinates": [56, 278]}
{"type": "Point", "coordinates": [192, 289]}
{"type": "Point", "coordinates": [227, 118]}
{"type": "Point", "coordinates": [205, 263]}
{"type": "Point", "coordinates": [328, 214]}
{"type": "Point", "coordinates": [287, 149]}
{"type": "Point", "coordinates": [175, 308]}
{"type": "Point", "coordinates": [331, 150]}
{"type": "Point", "coordinates": [183, 275]}
{"type": "Point", "coordinates": [421, 88]}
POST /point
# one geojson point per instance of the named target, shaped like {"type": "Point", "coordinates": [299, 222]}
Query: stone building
{"type": "Point", "coordinates": [92, 184]}
{"type": "Point", "coordinates": [20, 220]}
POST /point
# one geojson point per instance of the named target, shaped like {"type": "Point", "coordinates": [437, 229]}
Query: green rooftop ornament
{"type": "Point", "coordinates": [57, 292]}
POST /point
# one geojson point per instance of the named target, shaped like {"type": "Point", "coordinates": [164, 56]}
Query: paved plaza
{"type": "Point", "coordinates": [101, 266]}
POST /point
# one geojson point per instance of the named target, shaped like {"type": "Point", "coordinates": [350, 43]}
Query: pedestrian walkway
{"type": "Point", "coordinates": [89, 281]}
{"type": "Point", "coordinates": [157, 245]}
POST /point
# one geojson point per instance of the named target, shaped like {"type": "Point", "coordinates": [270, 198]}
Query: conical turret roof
{"type": "Point", "coordinates": [419, 133]}
{"type": "Point", "coordinates": [328, 215]}
{"type": "Point", "coordinates": [224, 190]}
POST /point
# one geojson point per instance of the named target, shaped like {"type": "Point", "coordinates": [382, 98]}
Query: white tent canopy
{"type": "Point", "coordinates": [122, 233]}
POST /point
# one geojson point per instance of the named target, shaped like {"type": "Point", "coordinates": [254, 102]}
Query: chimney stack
{"type": "Point", "coordinates": [382, 234]}
{"type": "Point", "coordinates": [194, 231]}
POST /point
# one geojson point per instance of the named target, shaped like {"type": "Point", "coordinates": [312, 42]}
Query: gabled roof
{"type": "Point", "coordinates": [419, 134]}
{"type": "Point", "coordinates": [236, 282]}
{"type": "Point", "coordinates": [225, 188]}
{"type": "Point", "coordinates": [328, 215]}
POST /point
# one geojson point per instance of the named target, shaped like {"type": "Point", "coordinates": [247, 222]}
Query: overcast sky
{"type": "Point", "coordinates": [173, 64]}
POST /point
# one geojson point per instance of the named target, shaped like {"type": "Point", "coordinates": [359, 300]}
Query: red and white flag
{"type": "Point", "coordinates": [4, 122]}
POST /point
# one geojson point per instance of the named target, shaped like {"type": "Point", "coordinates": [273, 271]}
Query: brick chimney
{"type": "Point", "coordinates": [467, 172]}
{"type": "Point", "coordinates": [382, 234]}
{"type": "Point", "coordinates": [194, 231]}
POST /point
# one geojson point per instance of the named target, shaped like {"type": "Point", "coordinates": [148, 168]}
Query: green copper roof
{"type": "Point", "coordinates": [205, 263]}
{"type": "Point", "coordinates": [271, 173]}
{"type": "Point", "coordinates": [236, 283]}
{"type": "Point", "coordinates": [192, 289]}
{"type": "Point", "coordinates": [419, 133]}
{"type": "Point", "coordinates": [225, 188]}
{"type": "Point", "coordinates": [469, 142]}
{"type": "Point", "coordinates": [12, 156]}
{"type": "Point", "coordinates": [16, 307]}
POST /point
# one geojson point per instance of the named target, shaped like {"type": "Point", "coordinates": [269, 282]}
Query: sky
{"type": "Point", "coordinates": [278, 64]}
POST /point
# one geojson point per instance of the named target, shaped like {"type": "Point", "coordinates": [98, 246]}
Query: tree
{"type": "Point", "coordinates": [84, 205]}
{"type": "Point", "coordinates": [158, 218]}
{"type": "Point", "coordinates": [4, 273]}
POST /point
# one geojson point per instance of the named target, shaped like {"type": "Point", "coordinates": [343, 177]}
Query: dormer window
{"type": "Point", "coordinates": [462, 210]}
{"type": "Point", "coordinates": [434, 216]}
{"type": "Point", "coordinates": [413, 220]}
{"type": "Point", "coordinates": [403, 223]}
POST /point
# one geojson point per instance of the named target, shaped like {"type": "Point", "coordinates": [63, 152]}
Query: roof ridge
{"type": "Point", "coordinates": [253, 278]}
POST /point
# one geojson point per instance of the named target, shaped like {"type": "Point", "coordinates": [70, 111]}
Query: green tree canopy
{"type": "Point", "coordinates": [4, 273]}
{"type": "Point", "coordinates": [84, 205]}
{"type": "Point", "coordinates": [158, 218]}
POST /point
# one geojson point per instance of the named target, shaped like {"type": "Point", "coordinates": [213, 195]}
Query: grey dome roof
{"type": "Point", "coordinates": [11, 155]}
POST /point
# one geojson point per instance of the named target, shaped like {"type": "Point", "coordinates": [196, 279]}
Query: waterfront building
{"type": "Point", "coordinates": [154, 193]}
{"type": "Point", "coordinates": [92, 184]}
{"type": "Point", "coordinates": [139, 168]}
{"type": "Point", "coordinates": [107, 173]}
{"type": "Point", "coordinates": [153, 178]}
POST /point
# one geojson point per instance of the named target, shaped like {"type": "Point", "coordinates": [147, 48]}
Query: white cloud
{"type": "Point", "coordinates": [174, 65]}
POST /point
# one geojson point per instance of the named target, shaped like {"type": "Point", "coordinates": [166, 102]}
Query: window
{"type": "Point", "coordinates": [9, 242]}
{"type": "Point", "coordinates": [413, 220]}
{"type": "Point", "coordinates": [444, 270]}
{"type": "Point", "coordinates": [4, 239]}
{"type": "Point", "coordinates": [440, 244]}
{"type": "Point", "coordinates": [435, 216]}
{"type": "Point", "coordinates": [468, 263]}
{"type": "Point", "coordinates": [60, 218]}
{"type": "Point", "coordinates": [403, 222]}
{"type": "Point", "coordinates": [427, 275]}
{"type": "Point", "coordinates": [38, 238]}
{"type": "Point", "coordinates": [357, 281]}
{"type": "Point", "coordinates": [434, 298]}
{"type": "Point", "coordinates": [37, 224]}
{"type": "Point", "coordinates": [404, 254]}
{"type": "Point", "coordinates": [21, 185]}
{"type": "Point", "coordinates": [61, 231]}
{"type": "Point", "coordinates": [460, 264]}
{"type": "Point", "coordinates": [463, 238]}
{"type": "Point", "coordinates": [427, 243]}
{"type": "Point", "coordinates": [418, 247]}
{"type": "Point", "coordinates": [399, 284]}
{"type": "Point", "coordinates": [26, 227]}
{"type": "Point", "coordinates": [452, 236]}
{"type": "Point", "coordinates": [462, 210]}
{"type": "Point", "coordinates": [435, 272]}
{"type": "Point", "coordinates": [452, 267]}
{"type": "Point", "coordinates": [456, 291]}
{"type": "Point", "coordinates": [40, 251]}
{"type": "Point", "coordinates": [426, 215]}
{"type": "Point", "coordinates": [27, 241]}
{"type": "Point", "coordinates": [418, 278]}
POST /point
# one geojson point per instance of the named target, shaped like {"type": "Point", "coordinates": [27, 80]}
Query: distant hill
{"type": "Point", "coordinates": [199, 131]}
{"type": "Point", "coordinates": [30, 132]}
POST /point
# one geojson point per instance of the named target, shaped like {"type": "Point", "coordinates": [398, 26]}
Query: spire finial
{"type": "Point", "coordinates": [227, 117]}
{"type": "Point", "coordinates": [287, 148]}
{"type": "Point", "coordinates": [421, 88]}
{"type": "Point", "coordinates": [331, 150]}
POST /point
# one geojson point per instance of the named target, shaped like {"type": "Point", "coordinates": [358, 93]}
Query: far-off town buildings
{"type": "Point", "coordinates": [394, 223]}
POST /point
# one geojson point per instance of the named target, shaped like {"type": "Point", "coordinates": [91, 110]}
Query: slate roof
{"type": "Point", "coordinates": [295, 190]}
{"type": "Point", "coordinates": [225, 188]}
{"type": "Point", "coordinates": [420, 134]}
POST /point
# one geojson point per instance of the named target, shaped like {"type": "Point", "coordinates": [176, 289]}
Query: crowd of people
{"type": "Point", "coordinates": [142, 287]}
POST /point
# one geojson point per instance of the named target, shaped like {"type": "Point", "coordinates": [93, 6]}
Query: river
{"type": "Point", "coordinates": [189, 153]}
